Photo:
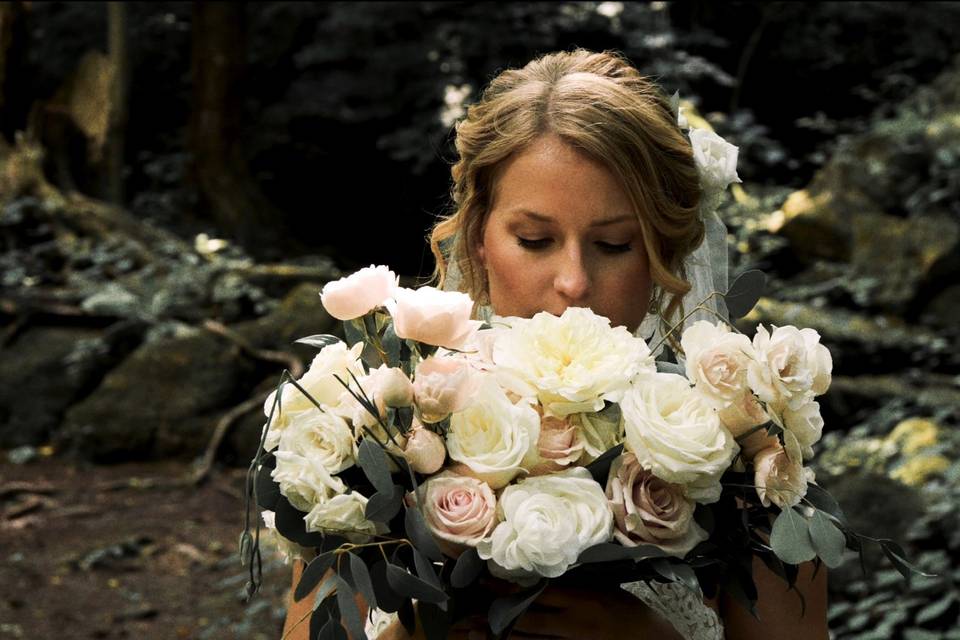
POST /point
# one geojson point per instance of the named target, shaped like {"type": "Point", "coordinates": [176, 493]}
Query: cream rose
{"type": "Point", "coordinates": [442, 385]}
{"type": "Point", "coordinates": [319, 381]}
{"type": "Point", "coordinates": [431, 316]}
{"type": "Point", "coordinates": [494, 438]}
{"type": "Point", "coordinates": [791, 366]}
{"type": "Point", "coordinates": [343, 515]}
{"type": "Point", "coordinates": [806, 424]}
{"type": "Point", "coordinates": [676, 435]}
{"type": "Point", "coordinates": [286, 549]}
{"type": "Point", "coordinates": [571, 363]}
{"type": "Point", "coordinates": [359, 293]}
{"type": "Point", "coordinates": [647, 510]}
{"type": "Point", "coordinates": [779, 474]}
{"type": "Point", "coordinates": [717, 361]}
{"type": "Point", "coordinates": [716, 159]}
{"type": "Point", "coordinates": [547, 522]}
{"type": "Point", "coordinates": [312, 449]}
{"type": "Point", "coordinates": [460, 511]}
{"type": "Point", "coordinates": [558, 446]}
{"type": "Point", "coordinates": [385, 386]}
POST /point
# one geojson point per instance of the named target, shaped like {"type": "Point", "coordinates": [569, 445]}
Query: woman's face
{"type": "Point", "coordinates": [562, 233]}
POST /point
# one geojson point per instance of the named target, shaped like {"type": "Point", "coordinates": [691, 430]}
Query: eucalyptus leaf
{"type": "Point", "coordinates": [349, 611]}
{"type": "Point", "coordinates": [828, 541]}
{"type": "Point", "coordinates": [353, 331]}
{"type": "Point", "coordinates": [420, 535]}
{"type": "Point", "coordinates": [391, 345]}
{"type": "Point", "coordinates": [435, 621]}
{"type": "Point", "coordinates": [822, 500]}
{"type": "Point", "coordinates": [319, 341]}
{"type": "Point", "coordinates": [387, 599]}
{"type": "Point", "coordinates": [676, 572]}
{"type": "Point", "coordinates": [425, 570]}
{"type": "Point", "coordinates": [411, 586]}
{"type": "Point", "coordinates": [383, 507]}
{"type": "Point", "coordinates": [503, 611]}
{"type": "Point", "coordinates": [467, 569]}
{"type": "Point", "coordinates": [324, 590]}
{"type": "Point", "coordinates": [312, 575]}
{"type": "Point", "coordinates": [898, 557]}
{"type": "Point", "coordinates": [290, 524]}
{"type": "Point", "coordinates": [361, 579]}
{"type": "Point", "coordinates": [373, 460]}
{"type": "Point", "coordinates": [743, 294]}
{"type": "Point", "coordinates": [268, 491]}
{"type": "Point", "coordinates": [408, 616]}
{"type": "Point", "coordinates": [670, 367]}
{"type": "Point", "coordinates": [790, 538]}
{"type": "Point", "coordinates": [332, 630]}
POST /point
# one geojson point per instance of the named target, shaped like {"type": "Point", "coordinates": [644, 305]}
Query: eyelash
{"type": "Point", "coordinates": [541, 243]}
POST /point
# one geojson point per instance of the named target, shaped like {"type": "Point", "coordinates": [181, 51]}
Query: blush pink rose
{"type": "Point", "coordinates": [431, 316]}
{"type": "Point", "coordinates": [648, 510]}
{"type": "Point", "coordinates": [558, 446]}
{"type": "Point", "coordinates": [779, 474]}
{"type": "Point", "coordinates": [460, 511]}
{"type": "Point", "coordinates": [359, 293]}
{"type": "Point", "coordinates": [442, 385]}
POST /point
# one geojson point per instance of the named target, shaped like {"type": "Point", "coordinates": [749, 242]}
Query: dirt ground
{"type": "Point", "coordinates": [123, 552]}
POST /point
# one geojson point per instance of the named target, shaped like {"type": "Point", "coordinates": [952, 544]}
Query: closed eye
{"type": "Point", "coordinates": [535, 244]}
{"type": "Point", "coordinates": [614, 248]}
{"type": "Point", "coordinates": [528, 243]}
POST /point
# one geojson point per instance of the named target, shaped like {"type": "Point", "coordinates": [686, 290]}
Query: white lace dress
{"type": "Point", "coordinates": [682, 607]}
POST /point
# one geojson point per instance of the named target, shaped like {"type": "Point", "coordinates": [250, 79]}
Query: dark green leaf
{"type": "Point", "coordinates": [898, 557]}
{"type": "Point", "coordinates": [326, 612]}
{"type": "Point", "coordinates": [412, 587]}
{"type": "Point", "coordinates": [790, 538]}
{"type": "Point", "coordinates": [349, 611]}
{"type": "Point", "coordinates": [822, 500]}
{"type": "Point", "coordinates": [743, 294]}
{"type": "Point", "coordinates": [387, 599]}
{"type": "Point", "coordinates": [828, 541]}
{"type": "Point", "coordinates": [353, 331]}
{"type": "Point", "coordinates": [503, 611]}
{"type": "Point", "coordinates": [268, 491]}
{"type": "Point", "coordinates": [610, 552]}
{"type": "Point", "coordinates": [408, 616]}
{"type": "Point", "coordinates": [373, 460]}
{"type": "Point", "coordinates": [600, 467]}
{"type": "Point", "coordinates": [426, 570]}
{"type": "Point", "coordinates": [676, 572]}
{"type": "Point", "coordinates": [361, 579]}
{"type": "Point", "coordinates": [324, 590]}
{"type": "Point", "coordinates": [703, 515]}
{"type": "Point", "coordinates": [420, 535]}
{"type": "Point", "coordinates": [312, 575]}
{"type": "Point", "coordinates": [320, 340]}
{"type": "Point", "coordinates": [383, 507]}
{"type": "Point", "coordinates": [391, 345]}
{"type": "Point", "coordinates": [435, 621]}
{"type": "Point", "coordinates": [670, 367]}
{"type": "Point", "coordinates": [332, 630]}
{"type": "Point", "coordinates": [291, 526]}
{"type": "Point", "coordinates": [467, 569]}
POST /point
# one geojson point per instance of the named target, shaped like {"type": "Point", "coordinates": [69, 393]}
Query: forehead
{"type": "Point", "coordinates": [553, 180]}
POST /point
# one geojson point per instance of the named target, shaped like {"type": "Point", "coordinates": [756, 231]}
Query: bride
{"type": "Point", "coordinates": [576, 187]}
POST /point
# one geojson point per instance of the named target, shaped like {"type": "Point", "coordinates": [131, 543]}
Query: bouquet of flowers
{"type": "Point", "coordinates": [428, 453]}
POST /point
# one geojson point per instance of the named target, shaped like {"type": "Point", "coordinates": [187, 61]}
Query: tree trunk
{"type": "Point", "coordinates": [114, 158]}
{"type": "Point", "coordinates": [235, 202]}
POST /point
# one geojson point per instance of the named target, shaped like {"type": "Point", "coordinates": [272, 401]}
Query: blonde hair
{"type": "Point", "coordinates": [601, 105]}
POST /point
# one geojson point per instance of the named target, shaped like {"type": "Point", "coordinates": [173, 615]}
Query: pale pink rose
{"type": "Point", "coordinates": [460, 511]}
{"type": "Point", "coordinates": [717, 361]}
{"type": "Point", "coordinates": [648, 510]}
{"type": "Point", "coordinates": [558, 446]}
{"type": "Point", "coordinates": [743, 414]}
{"type": "Point", "coordinates": [431, 316]}
{"type": "Point", "coordinates": [779, 474]}
{"type": "Point", "coordinates": [791, 366]}
{"type": "Point", "coordinates": [359, 293]}
{"type": "Point", "coordinates": [425, 451]}
{"type": "Point", "coordinates": [442, 385]}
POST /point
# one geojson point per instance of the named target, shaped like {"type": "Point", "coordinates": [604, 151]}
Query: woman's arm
{"type": "Point", "coordinates": [780, 614]}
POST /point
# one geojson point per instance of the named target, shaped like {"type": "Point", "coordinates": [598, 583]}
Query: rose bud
{"type": "Point", "coordinates": [425, 450]}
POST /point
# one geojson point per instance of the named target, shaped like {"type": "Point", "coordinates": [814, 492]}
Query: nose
{"type": "Point", "coordinates": [572, 280]}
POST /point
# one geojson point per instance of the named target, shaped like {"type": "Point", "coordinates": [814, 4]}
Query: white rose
{"type": "Point", "coordinates": [319, 381]}
{"type": "Point", "coordinates": [547, 522]}
{"type": "Point", "coordinates": [342, 515]}
{"type": "Point", "coordinates": [572, 363]}
{"type": "Point", "coordinates": [442, 385]}
{"type": "Point", "coordinates": [431, 316]}
{"type": "Point", "coordinates": [716, 159]}
{"type": "Point", "coordinates": [791, 366]}
{"type": "Point", "coordinates": [311, 450]}
{"type": "Point", "coordinates": [717, 361]}
{"type": "Point", "coordinates": [779, 474]}
{"type": "Point", "coordinates": [676, 435]}
{"type": "Point", "coordinates": [493, 438]}
{"type": "Point", "coordinates": [378, 622]}
{"type": "Point", "coordinates": [806, 425]}
{"type": "Point", "coordinates": [359, 293]}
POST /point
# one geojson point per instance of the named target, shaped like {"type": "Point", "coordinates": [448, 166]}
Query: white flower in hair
{"type": "Point", "coordinates": [716, 160]}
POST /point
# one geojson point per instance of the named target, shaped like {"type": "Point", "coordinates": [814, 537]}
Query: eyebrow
{"type": "Point", "coordinates": [540, 217]}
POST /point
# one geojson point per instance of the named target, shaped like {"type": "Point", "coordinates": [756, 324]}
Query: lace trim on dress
{"type": "Point", "coordinates": [682, 607]}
